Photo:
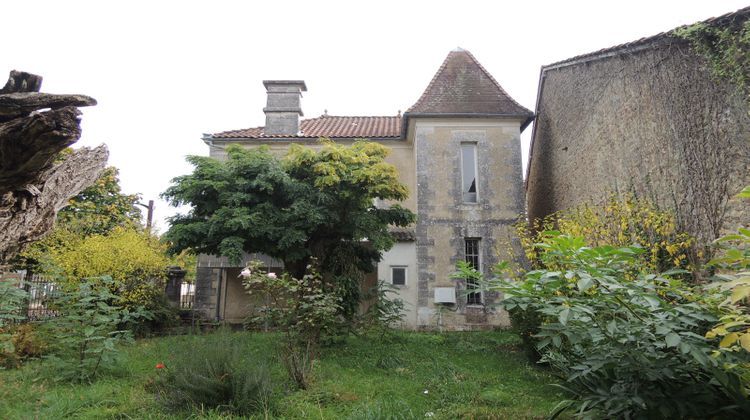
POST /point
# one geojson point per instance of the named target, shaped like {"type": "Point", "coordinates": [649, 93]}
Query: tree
{"type": "Point", "coordinates": [308, 204]}
{"type": "Point", "coordinates": [34, 183]}
{"type": "Point", "coordinates": [101, 207]}
{"type": "Point", "coordinates": [97, 210]}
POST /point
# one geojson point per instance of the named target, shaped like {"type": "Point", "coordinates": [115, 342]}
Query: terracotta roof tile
{"type": "Point", "coordinates": [329, 126]}
{"type": "Point", "coordinates": [462, 86]}
{"type": "Point", "coordinates": [403, 235]}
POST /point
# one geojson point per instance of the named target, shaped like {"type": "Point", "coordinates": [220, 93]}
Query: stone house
{"type": "Point", "coordinates": [646, 117]}
{"type": "Point", "coordinates": [458, 151]}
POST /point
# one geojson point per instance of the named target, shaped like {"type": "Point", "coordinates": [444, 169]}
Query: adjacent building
{"type": "Point", "coordinates": [458, 151]}
{"type": "Point", "coordinates": [648, 117]}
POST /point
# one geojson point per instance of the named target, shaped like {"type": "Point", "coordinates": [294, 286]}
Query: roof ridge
{"type": "Point", "coordinates": [350, 116]}
{"type": "Point", "coordinates": [376, 126]}
{"type": "Point", "coordinates": [640, 41]}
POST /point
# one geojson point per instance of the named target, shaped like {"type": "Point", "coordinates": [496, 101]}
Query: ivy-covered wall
{"type": "Point", "coordinates": [652, 120]}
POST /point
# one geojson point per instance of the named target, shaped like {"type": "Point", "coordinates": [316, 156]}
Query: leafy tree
{"type": "Point", "coordinates": [308, 204]}
{"type": "Point", "coordinates": [101, 207]}
{"type": "Point", "coordinates": [97, 210]}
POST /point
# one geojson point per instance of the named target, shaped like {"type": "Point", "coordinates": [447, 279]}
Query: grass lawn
{"type": "Point", "coordinates": [412, 375]}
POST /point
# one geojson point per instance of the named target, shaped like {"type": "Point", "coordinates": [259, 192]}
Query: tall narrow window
{"type": "Point", "coordinates": [469, 172]}
{"type": "Point", "coordinates": [472, 257]}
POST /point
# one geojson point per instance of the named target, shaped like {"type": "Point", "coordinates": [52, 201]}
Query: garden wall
{"type": "Point", "coordinates": [650, 120]}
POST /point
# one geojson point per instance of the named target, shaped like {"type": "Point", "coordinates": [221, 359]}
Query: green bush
{"type": "Point", "coordinates": [162, 316]}
{"type": "Point", "coordinates": [385, 312]}
{"type": "Point", "coordinates": [28, 341]}
{"type": "Point", "coordinates": [627, 347]}
{"type": "Point", "coordinates": [84, 336]}
{"type": "Point", "coordinates": [619, 221]}
{"type": "Point", "coordinates": [301, 309]}
{"type": "Point", "coordinates": [733, 267]}
{"type": "Point", "coordinates": [215, 374]}
{"type": "Point", "coordinates": [12, 304]}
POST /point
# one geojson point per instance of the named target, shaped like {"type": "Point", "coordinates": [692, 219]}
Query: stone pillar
{"type": "Point", "coordinates": [175, 277]}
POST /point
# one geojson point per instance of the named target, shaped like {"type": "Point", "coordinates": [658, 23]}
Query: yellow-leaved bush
{"type": "Point", "coordinates": [135, 260]}
{"type": "Point", "coordinates": [620, 221]}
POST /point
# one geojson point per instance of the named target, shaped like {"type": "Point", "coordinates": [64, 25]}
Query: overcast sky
{"type": "Point", "coordinates": [164, 72]}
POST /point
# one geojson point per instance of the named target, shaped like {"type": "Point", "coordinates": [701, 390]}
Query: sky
{"type": "Point", "coordinates": [165, 72]}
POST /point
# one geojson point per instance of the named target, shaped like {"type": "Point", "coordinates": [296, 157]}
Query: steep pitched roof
{"type": "Point", "coordinates": [462, 86]}
{"type": "Point", "coordinates": [329, 126]}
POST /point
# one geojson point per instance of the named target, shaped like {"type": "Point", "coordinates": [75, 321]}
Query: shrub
{"type": "Point", "coordinates": [85, 334]}
{"type": "Point", "coordinates": [627, 347]}
{"type": "Point", "coordinates": [28, 341]}
{"type": "Point", "coordinates": [619, 222]}
{"type": "Point", "coordinates": [733, 265]}
{"type": "Point", "coordinates": [12, 304]}
{"type": "Point", "coordinates": [385, 312]}
{"type": "Point", "coordinates": [214, 374]}
{"type": "Point", "coordinates": [136, 262]}
{"type": "Point", "coordinates": [301, 309]}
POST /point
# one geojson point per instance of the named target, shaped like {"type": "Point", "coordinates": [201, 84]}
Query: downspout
{"type": "Point", "coordinates": [218, 296]}
{"type": "Point", "coordinates": [226, 287]}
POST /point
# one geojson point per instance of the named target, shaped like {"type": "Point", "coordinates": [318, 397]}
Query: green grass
{"type": "Point", "coordinates": [451, 375]}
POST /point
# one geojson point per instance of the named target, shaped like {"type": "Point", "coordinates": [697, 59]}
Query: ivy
{"type": "Point", "coordinates": [726, 49]}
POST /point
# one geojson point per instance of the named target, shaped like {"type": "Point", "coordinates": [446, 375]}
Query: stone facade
{"type": "Point", "coordinates": [462, 105]}
{"type": "Point", "coordinates": [647, 118]}
{"type": "Point", "coordinates": [445, 221]}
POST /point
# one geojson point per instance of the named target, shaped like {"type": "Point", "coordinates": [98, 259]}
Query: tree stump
{"type": "Point", "coordinates": [36, 181]}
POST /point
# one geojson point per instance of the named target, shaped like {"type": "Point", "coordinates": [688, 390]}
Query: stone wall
{"type": "Point", "coordinates": [653, 122]}
{"type": "Point", "coordinates": [445, 221]}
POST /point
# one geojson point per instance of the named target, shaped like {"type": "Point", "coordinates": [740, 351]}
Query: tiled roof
{"type": "Point", "coordinates": [404, 235]}
{"type": "Point", "coordinates": [738, 16]}
{"type": "Point", "coordinates": [462, 86]}
{"type": "Point", "coordinates": [329, 126]}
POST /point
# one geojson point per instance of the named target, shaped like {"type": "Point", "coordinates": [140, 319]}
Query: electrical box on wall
{"type": "Point", "coordinates": [445, 295]}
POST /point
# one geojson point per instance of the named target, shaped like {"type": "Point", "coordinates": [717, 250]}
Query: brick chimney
{"type": "Point", "coordinates": [283, 107]}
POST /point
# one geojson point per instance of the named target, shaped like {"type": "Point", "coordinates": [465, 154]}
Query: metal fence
{"type": "Point", "coordinates": [187, 295]}
{"type": "Point", "coordinates": [41, 290]}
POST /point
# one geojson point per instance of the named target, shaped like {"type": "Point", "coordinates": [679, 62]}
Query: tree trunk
{"type": "Point", "coordinates": [35, 183]}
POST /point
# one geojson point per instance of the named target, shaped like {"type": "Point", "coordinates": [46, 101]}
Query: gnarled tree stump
{"type": "Point", "coordinates": [34, 182]}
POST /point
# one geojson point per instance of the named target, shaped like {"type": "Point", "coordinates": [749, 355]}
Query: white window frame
{"type": "Point", "coordinates": [476, 172]}
{"type": "Point", "coordinates": [406, 275]}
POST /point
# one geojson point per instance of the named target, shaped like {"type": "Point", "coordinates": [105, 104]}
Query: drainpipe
{"type": "Point", "coordinates": [218, 296]}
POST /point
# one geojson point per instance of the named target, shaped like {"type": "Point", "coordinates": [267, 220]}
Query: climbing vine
{"type": "Point", "coordinates": [726, 48]}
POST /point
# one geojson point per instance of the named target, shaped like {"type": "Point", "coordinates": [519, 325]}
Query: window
{"type": "Point", "coordinates": [472, 257]}
{"type": "Point", "coordinates": [398, 276]}
{"type": "Point", "coordinates": [469, 172]}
